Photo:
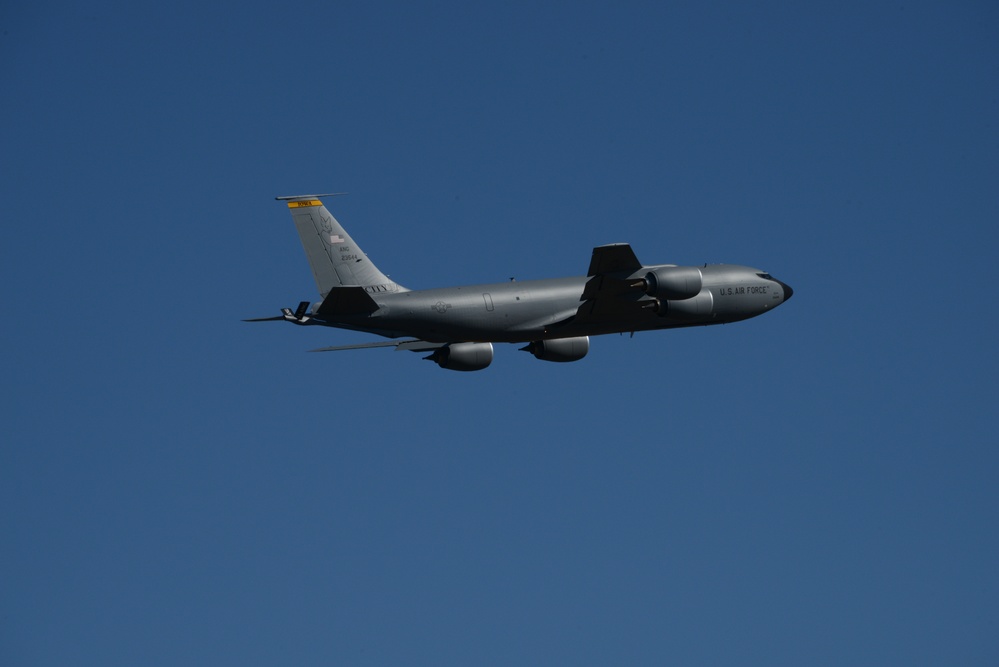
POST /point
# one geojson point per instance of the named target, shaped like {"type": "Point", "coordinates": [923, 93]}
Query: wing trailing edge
{"type": "Point", "coordinates": [411, 345]}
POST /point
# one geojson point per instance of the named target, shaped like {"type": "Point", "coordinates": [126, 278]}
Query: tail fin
{"type": "Point", "coordinates": [335, 259]}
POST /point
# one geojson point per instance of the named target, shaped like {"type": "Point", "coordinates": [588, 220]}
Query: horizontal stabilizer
{"type": "Point", "coordinates": [298, 317]}
{"type": "Point", "coordinates": [276, 318]}
{"type": "Point", "coordinates": [308, 197]}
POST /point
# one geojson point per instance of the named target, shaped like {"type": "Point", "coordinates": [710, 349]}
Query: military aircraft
{"type": "Point", "coordinates": [554, 317]}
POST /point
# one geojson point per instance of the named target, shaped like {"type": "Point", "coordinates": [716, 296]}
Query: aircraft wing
{"type": "Point", "coordinates": [613, 258]}
{"type": "Point", "coordinates": [609, 293]}
{"type": "Point", "coordinates": [413, 345]}
{"type": "Point", "coordinates": [610, 268]}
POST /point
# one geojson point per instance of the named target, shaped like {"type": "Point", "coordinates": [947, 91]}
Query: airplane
{"type": "Point", "coordinates": [553, 317]}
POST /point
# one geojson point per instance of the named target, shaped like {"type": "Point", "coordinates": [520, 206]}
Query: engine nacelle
{"type": "Point", "coordinates": [559, 349]}
{"type": "Point", "coordinates": [463, 356]}
{"type": "Point", "coordinates": [697, 308]}
{"type": "Point", "coordinates": [673, 283]}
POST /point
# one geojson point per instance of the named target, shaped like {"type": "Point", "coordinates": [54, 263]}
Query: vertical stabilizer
{"type": "Point", "coordinates": [335, 259]}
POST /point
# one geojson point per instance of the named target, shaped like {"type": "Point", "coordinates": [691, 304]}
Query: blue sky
{"type": "Point", "coordinates": [815, 486]}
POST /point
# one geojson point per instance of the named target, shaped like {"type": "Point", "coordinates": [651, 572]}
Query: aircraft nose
{"type": "Point", "coordinates": [788, 292]}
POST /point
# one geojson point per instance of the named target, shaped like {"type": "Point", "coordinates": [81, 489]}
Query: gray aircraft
{"type": "Point", "coordinates": [554, 317]}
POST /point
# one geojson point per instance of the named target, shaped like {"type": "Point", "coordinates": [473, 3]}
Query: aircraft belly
{"type": "Point", "coordinates": [503, 312]}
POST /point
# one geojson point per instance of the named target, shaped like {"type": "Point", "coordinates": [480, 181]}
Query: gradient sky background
{"type": "Point", "coordinates": [816, 486]}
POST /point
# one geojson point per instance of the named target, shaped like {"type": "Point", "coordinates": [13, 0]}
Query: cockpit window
{"type": "Point", "coordinates": [765, 276]}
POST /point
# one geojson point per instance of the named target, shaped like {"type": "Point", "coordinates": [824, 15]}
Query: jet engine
{"type": "Point", "coordinates": [689, 309]}
{"type": "Point", "coordinates": [559, 349]}
{"type": "Point", "coordinates": [463, 356]}
{"type": "Point", "coordinates": [673, 283]}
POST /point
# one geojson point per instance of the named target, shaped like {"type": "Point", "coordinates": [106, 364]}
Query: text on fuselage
{"type": "Point", "coordinates": [745, 289]}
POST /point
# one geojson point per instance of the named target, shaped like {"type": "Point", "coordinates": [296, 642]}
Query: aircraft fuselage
{"type": "Point", "coordinates": [521, 311]}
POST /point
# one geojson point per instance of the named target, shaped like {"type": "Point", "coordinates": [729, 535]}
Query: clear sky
{"type": "Point", "coordinates": [816, 486]}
